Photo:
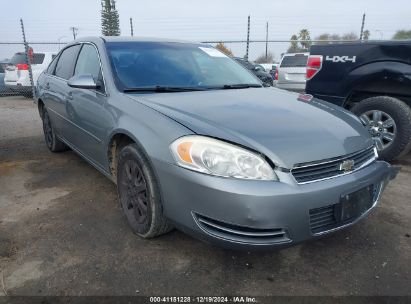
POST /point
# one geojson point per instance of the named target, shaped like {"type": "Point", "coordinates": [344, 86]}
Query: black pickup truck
{"type": "Point", "coordinates": [373, 80]}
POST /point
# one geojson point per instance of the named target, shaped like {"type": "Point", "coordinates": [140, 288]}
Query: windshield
{"type": "Point", "coordinates": [164, 64]}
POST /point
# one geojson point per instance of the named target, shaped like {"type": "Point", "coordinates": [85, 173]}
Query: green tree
{"type": "Point", "coordinates": [366, 35]}
{"type": "Point", "coordinates": [402, 34]}
{"type": "Point", "coordinates": [222, 47]}
{"type": "Point", "coordinates": [300, 42]}
{"type": "Point", "coordinates": [333, 38]}
{"type": "Point", "coordinates": [110, 24]}
{"type": "Point", "coordinates": [294, 48]}
{"type": "Point", "coordinates": [304, 35]}
{"type": "Point", "coordinates": [350, 36]}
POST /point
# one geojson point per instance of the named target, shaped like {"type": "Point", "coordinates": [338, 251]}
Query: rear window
{"type": "Point", "coordinates": [294, 61]}
{"type": "Point", "coordinates": [38, 58]}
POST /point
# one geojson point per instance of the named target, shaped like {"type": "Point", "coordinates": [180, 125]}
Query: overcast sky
{"type": "Point", "coordinates": [50, 20]}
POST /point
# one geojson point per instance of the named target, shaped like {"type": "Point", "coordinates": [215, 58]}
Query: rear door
{"type": "Point", "coordinates": [58, 90]}
{"type": "Point", "coordinates": [293, 68]}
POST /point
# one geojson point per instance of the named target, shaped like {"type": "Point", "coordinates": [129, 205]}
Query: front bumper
{"type": "Point", "coordinates": [257, 208]}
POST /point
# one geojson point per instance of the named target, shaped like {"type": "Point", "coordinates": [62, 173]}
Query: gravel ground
{"type": "Point", "coordinates": [62, 233]}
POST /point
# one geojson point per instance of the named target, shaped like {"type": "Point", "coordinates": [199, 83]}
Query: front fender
{"type": "Point", "coordinates": [151, 130]}
{"type": "Point", "coordinates": [385, 78]}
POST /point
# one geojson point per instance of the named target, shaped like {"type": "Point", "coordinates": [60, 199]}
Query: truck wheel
{"type": "Point", "coordinates": [139, 194]}
{"type": "Point", "coordinates": [389, 122]}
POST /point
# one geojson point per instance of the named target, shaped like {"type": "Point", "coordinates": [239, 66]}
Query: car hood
{"type": "Point", "coordinates": [277, 123]}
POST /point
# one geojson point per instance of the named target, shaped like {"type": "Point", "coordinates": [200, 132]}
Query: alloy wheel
{"type": "Point", "coordinates": [381, 126]}
{"type": "Point", "coordinates": [134, 185]}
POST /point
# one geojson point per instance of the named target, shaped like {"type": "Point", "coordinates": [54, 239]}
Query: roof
{"type": "Point", "coordinates": [134, 39]}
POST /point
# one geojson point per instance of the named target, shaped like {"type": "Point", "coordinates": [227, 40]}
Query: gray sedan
{"type": "Point", "coordinates": [194, 141]}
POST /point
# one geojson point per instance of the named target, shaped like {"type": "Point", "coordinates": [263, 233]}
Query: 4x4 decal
{"type": "Point", "coordinates": [342, 59]}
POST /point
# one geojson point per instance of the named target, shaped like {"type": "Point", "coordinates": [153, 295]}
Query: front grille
{"type": "Point", "coordinates": [331, 216]}
{"type": "Point", "coordinates": [322, 218]}
{"type": "Point", "coordinates": [313, 171]}
{"type": "Point", "coordinates": [241, 234]}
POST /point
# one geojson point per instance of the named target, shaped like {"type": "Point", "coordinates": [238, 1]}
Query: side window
{"type": "Point", "coordinates": [52, 65]}
{"type": "Point", "coordinates": [88, 63]}
{"type": "Point", "coordinates": [66, 61]}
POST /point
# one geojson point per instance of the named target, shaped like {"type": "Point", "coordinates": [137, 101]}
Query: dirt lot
{"type": "Point", "coordinates": [62, 233]}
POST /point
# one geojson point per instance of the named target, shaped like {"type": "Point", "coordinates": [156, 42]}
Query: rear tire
{"type": "Point", "coordinates": [139, 194]}
{"type": "Point", "coordinates": [52, 141]}
{"type": "Point", "coordinates": [377, 114]}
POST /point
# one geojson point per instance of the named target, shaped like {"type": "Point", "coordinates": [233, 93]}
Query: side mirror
{"type": "Point", "coordinates": [82, 82]}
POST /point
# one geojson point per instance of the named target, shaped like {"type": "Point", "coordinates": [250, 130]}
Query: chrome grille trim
{"type": "Point", "coordinates": [330, 168]}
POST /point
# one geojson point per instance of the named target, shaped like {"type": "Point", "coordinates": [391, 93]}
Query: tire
{"type": "Point", "coordinates": [139, 194]}
{"type": "Point", "coordinates": [52, 141]}
{"type": "Point", "coordinates": [399, 132]}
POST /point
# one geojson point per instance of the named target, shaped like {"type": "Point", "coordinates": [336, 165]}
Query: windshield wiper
{"type": "Point", "coordinates": [241, 86]}
{"type": "Point", "coordinates": [162, 89]}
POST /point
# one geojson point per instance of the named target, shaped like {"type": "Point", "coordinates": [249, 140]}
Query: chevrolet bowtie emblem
{"type": "Point", "coordinates": [347, 165]}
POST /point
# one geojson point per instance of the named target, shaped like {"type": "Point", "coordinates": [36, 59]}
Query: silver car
{"type": "Point", "coordinates": [291, 72]}
{"type": "Point", "coordinates": [194, 141]}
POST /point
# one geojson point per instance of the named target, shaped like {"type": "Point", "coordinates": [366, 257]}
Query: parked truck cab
{"type": "Point", "coordinates": [373, 80]}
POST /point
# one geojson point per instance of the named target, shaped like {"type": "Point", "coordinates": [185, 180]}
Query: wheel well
{"type": "Point", "coordinates": [357, 96]}
{"type": "Point", "coordinates": [117, 142]}
{"type": "Point", "coordinates": [40, 106]}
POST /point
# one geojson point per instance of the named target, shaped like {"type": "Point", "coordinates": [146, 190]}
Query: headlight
{"type": "Point", "coordinates": [216, 157]}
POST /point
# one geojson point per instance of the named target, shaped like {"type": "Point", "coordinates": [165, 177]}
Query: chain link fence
{"type": "Point", "coordinates": [21, 61]}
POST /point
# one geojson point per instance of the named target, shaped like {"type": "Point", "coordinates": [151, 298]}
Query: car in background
{"type": "Point", "coordinates": [257, 70]}
{"type": "Point", "coordinates": [267, 66]}
{"type": "Point", "coordinates": [273, 70]}
{"type": "Point", "coordinates": [17, 76]}
{"type": "Point", "coordinates": [3, 89]}
{"type": "Point", "coordinates": [290, 74]}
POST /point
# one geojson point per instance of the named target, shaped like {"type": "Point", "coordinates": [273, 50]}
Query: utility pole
{"type": "Point", "coordinates": [362, 27]}
{"type": "Point", "coordinates": [74, 30]}
{"type": "Point", "coordinates": [248, 39]}
{"type": "Point", "coordinates": [266, 44]}
{"type": "Point", "coordinates": [131, 27]}
{"type": "Point", "coordinates": [27, 49]}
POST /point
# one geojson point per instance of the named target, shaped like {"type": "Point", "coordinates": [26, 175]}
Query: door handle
{"type": "Point", "coordinates": [47, 85]}
{"type": "Point", "coordinates": [70, 96]}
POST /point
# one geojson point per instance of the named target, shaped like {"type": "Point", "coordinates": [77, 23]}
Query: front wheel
{"type": "Point", "coordinates": [388, 120]}
{"type": "Point", "coordinates": [139, 194]}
